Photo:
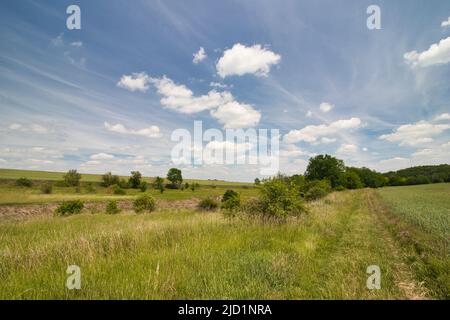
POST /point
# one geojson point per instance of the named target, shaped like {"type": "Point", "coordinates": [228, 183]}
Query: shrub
{"type": "Point", "coordinates": [143, 186]}
{"type": "Point", "coordinates": [208, 204]}
{"type": "Point", "coordinates": [90, 187]}
{"type": "Point", "coordinates": [108, 179]}
{"type": "Point", "coordinates": [72, 178]}
{"type": "Point", "coordinates": [229, 194]}
{"type": "Point", "coordinates": [317, 190]}
{"type": "Point", "coordinates": [123, 184]}
{"type": "Point", "coordinates": [70, 207]}
{"type": "Point", "coordinates": [117, 190]}
{"type": "Point", "coordinates": [135, 179]}
{"type": "Point", "coordinates": [159, 184]}
{"type": "Point", "coordinates": [144, 202]}
{"type": "Point", "coordinates": [111, 207]}
{"type": "Point", "coordinates": [47, 188]}
{"type": "Point", "coordinates": [351, 180]}
{"type": "Point", "coordinates": [24, 182]}
{"type": "Point", "coordinates": [278, 199]}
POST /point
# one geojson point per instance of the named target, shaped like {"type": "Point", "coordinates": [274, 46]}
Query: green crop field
{"type": "Point", "coordinates": [182, 253]}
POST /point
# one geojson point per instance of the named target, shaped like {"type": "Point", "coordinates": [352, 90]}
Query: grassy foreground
{"type": "Point", "coordinates": [195, 255]}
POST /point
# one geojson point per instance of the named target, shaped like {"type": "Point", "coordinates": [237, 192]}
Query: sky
{"type": "Point", "coordinates": [108, 97]}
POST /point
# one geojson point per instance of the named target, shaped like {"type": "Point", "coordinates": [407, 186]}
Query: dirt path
{"type": "Point", "coordinates": [404, 277]}
{"type": "Point", "coordinates": [41, 210]}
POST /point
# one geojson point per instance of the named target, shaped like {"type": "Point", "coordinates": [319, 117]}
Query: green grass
{"type": "Point", "coordinates": [427, 206]}
{"type": "Point", "coordinates": [186, 254]}
{"type": "Point", "coordinates": [11, 194]}
{"type": "Point", "coordinates": [14, 174]}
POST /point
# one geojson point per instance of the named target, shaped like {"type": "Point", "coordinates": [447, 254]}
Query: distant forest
{"type": "Point", "coordinates": [419, 175]}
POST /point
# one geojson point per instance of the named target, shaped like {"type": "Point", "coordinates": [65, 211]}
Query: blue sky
{"type": "Point", "coordinates": [107, 97]}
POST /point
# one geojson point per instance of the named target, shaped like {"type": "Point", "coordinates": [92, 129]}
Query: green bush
{"type": "Point", "coordinates": [24, 182]}
{"type": "Point", "coordinates": [72, 178]}
{"type": "Point", "coordinates": [47, 188]}
{"type": "Point", "coordinates": [143, 203]}
{"type": "Point", "coordinates": [278, 199]}
{"type": "Point", "coordinates": [231, 201]}
{"type": "Point", "coordinates": [111, 207]}
{"type": "Point", "coordinates": [208, 204]}
{"type": "Point", "coordinates": [317, 189]}
{"type": "Point", "coordinates": [117, 190]}
{"type": "Point", "coordinates": [229, 194]}
{"type": "Point", "coordinates": [108, 179]}
{"type": "Point", "coordinates": [143, 186]}
{"type": "Point", "coordinates": [89, 187]}
{"type": "Point", "coordinates": [70, 207]}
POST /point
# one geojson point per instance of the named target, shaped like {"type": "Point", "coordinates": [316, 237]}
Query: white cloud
{"type": "Point", "coordinates": [218, 85]}
{"type": "Point", "coordinates": [241, 60]}
{"type": "Point", "coordinates": [438, 53]}
{"type": "Point", "coordinates": [292, 151]}
{"type": "Point", "coordinates": [102, 156]}
{"type": "Point", "coordinates": [312, 132]}
{"type": "Point", "coordinates": [15, 126]}
{"type": "Point", "coordinates": [444, 116]}
{"type": "Point", "coordinates": [309, 114]}
{"type": "Point", "coordinates": [416, 133]}
{"type": "Point", "coordinates": [77, 44]}
{"type": "Point", "coordinates": [326, 107]}
{"type": "Point", "coordinates": [365, 149]}
{"type": "Point", "coordinates": [393, 164]}
{"type": "Point", "coordinates": [327, 140]}
{"type": "Point", "coordinates": [445, 23]}
{"type": "Point", "coordinates": [37, 128]}
{"type": "Point", "coordinates": [135, 82]}
{"type": "Point", "coordinates": [150, 132]}
{"type": "Point", "coordinates": [41, 161]}
{"type": "Point", "coordinates": [236, 115]}
{"type": "Point", "coordinates": [348, 148]}
{"type": "Point", "coordinates": [199, 56]}
{"type": "Point", "coordinates": [182, 99]}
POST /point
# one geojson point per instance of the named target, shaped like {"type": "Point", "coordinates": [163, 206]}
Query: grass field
{"type": "Point", "coordinates": [182, 253]}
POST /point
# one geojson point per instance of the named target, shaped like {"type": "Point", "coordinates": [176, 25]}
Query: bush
{"type": "Point", "coordinates": [208, 204]}
{"type": "Point", "coordinates": [144, 202]}
{"type": "Point", "coordinates": [47, 188]}
{"type": "Point", "coordinates": [229, 194]}
{"type": "Point", "coordinates": [70, 207]}
{"type": "Point", "coordinates": [117, 190]}
{"type": "Point", "coordinates": [159, 184]}
{"type": "Point", "coordinates": [108, 179]}
{"type": "Point", "coordinates": [111, 207]}
{"type": "Point", "coordinates": [143, 186]}
{"type": "Point", "coordinates": [123, 184]}
{"type": "Point", "coordinates": [135, 179]}
{"type": "Point", "coordinates": [24, 182]}
{"type": "Point", "coordinates": [351, 180]}
{"type": "Point", "coordinates": [72, 178]}
{"type": "Point", "coordinates": [317, 190]}
{"type": "Point", "coordinates": [90, 187]}
{"type": "Point", "coordinates": [278, 199]}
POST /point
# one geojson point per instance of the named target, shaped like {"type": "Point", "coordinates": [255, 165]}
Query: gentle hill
{"type": "Point", "coordinates": [13, 174]}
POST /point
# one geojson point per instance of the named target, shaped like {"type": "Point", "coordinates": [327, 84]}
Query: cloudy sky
{"type": "Point", "coordinates": [108, 97]}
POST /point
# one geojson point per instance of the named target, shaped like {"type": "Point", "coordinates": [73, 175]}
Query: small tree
{"type": "Point", "coordinates": [159, 184]}
{"type": "Point", "coordinates": [175, 177]}
{"type": "Point", "coordinates": [143, 186]}
{"type": "Point", "coordinates": [24, 182]}
{"type": "Point", "coordinates": [143, 203]}
{"type": "Point", "coordinates": [112, 208]}
{"type": "Point", "coordinates": [108, 179]}
{"type": "Point", "coordinates": [135, 179]}
{"type": "Point", "coordinates": [72, 178]}
{"type": "Point", "coordinates": [257, 182]}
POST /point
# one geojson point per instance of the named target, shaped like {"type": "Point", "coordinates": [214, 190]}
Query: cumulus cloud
{"type": "Point", "coordinates": [135, 82]}
{"type": "Point", "coordinates": [240, 60]}
{"type": "Point", "coordinates": [236, 115]}
{"type": "Point", "coordinates": [77, 44]}
{"type": "Point", "coordinates": [393, 164]}
{"type": "Point", "coordinates": [445, 23]}
{"type": "Point", "coordinates": [327, 140]}
{"type": "Point", "coordinates": [199, 56]}
{"type": "Point", "coordinates": [312, 132]}
{"type": "Point", "coordinates": [438, 53]}
{"type": "Point", "coordinates": [348, 148]}
{"type": "Point", "coordinates": [102, 156]}
{"type": "Point", "coordinates": [180, 98]}
{"type": "Point", "coordinates": [444, 116]}
{"type": "Point", "coordinates": [416, 133]}
{"type": "Point", "coordinates": [150, 132]}
{"type": "Point", "coordinates": [326, 107]}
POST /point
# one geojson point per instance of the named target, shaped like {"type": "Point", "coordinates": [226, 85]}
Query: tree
{"type": "Point", "coordinates": [108, 179]}
{"type": "Point", "coordinates": [135, 179]}
{"type": "Point", "coordinates": [325, 167]}
{"type": "Point", "coordinates": [72, 178]}
{"type": "Point", "coordinates": [175, 177]}
{"type": "Point", "coordinates": [159, 184]}
{"type": "Point", "coordinates": [351, 180]}
{"type": "Point", "coordinates": [257, 182]}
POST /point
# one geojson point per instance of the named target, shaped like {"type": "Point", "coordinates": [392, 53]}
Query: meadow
{"type": "Point", "coordinates": [185, 253]}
